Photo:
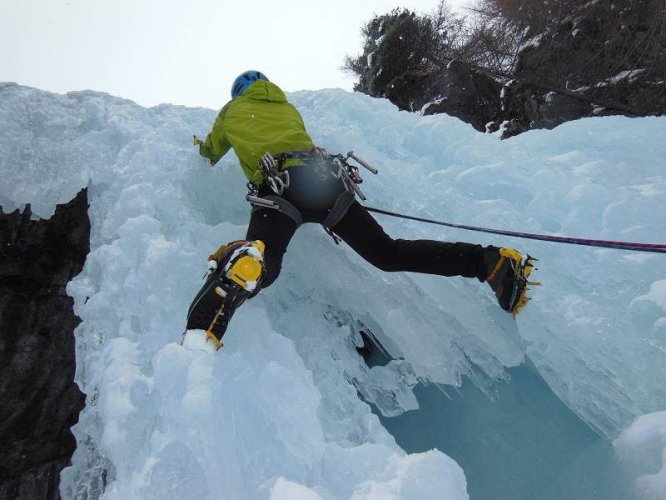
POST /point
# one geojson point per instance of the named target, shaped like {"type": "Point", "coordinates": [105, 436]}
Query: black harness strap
{"type": "Point", "coordinates": [276, 202]}
{"type": "Point", "coordinates": [339, 210]}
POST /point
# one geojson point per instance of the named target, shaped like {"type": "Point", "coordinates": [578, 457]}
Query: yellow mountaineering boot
{"type": "Point", "coordinates": [235, 275]}
{"type": "Point", "coordinates": [507, 276]}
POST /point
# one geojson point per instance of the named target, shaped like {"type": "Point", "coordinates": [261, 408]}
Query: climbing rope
{"type": "Point", "coordinates": [620, 245]}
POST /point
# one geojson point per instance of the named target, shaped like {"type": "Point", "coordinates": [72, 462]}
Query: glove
{"type": "Point", "coordinates": [199, 142]}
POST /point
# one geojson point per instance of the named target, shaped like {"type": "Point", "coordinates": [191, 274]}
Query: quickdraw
{"type": "Point", "coordinates": [277, 178]}
{"type": "Point", "coordinates": [350, 173]}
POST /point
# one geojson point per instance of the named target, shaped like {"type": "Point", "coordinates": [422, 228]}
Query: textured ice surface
{"type": "Point", "coordinates": [274, 413]}
{"type": "Point", "coordinates": [642, 446]}
{"type": "Point", "coordinates": [535, 446]}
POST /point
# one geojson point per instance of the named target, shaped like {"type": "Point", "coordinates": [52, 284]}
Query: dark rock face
{"type": "Point", "coordinates": [524, 108]}
{"type": "Point", "coordinates": [458, 91]}
{"type": "Point", "coordinates": [606, 58]}
{"type": "Point", "coordinates": [38, 396]}
{"type": "Point", "coordinates": [598, 42]}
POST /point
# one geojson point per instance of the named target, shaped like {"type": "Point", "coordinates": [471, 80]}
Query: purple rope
{"type": "Point", "coordinates": [620, 245]}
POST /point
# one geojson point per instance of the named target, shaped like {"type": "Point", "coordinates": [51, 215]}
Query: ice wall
{"type": "Point", "coordinates": [642, 447]}
{"type": "Point", "coordinates": [275, 412]}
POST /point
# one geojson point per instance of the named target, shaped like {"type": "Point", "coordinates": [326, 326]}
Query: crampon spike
{"type": "Point", "coordinates": [523, 269]}
{"type": "Point", "coordinates": [520, 303]}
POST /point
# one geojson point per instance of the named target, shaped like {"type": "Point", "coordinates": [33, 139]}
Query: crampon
{"type": "Point", "coordinates": [509, 278]}
{"type": "Point", "coordinates": [234, 277]}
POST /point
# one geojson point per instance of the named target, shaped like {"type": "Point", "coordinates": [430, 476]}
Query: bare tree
{"type": "Point", "coordinates": [608, 52]}
{"type": "Point", "coordinates": [403, 41]}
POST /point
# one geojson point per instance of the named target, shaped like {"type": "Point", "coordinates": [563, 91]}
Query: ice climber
{"type": "Point", "coordinates": [293, 182]}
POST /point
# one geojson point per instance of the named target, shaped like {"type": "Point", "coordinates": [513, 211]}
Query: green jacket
{"type": "Point", "coordinates": [258, 121]}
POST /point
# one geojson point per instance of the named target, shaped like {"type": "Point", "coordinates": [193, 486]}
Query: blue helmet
{"type": "Point", "coordinates": [244, 81]}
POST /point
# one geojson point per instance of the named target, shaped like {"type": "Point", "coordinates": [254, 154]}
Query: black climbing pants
{"type": "Point", "coordinates": [364, 234]}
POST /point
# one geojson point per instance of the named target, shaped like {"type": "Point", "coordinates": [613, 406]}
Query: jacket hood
{"type": "Point", "coordinates": [265, 91]}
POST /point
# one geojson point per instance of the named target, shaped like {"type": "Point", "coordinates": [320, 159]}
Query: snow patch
{"type": "Point", "coordinates": [435, 102]}
{"type": "Point", "coordinates": [622, 75]}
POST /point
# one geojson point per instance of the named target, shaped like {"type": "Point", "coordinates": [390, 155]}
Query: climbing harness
{"type": "Point", "coordinates": [338, 168]}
